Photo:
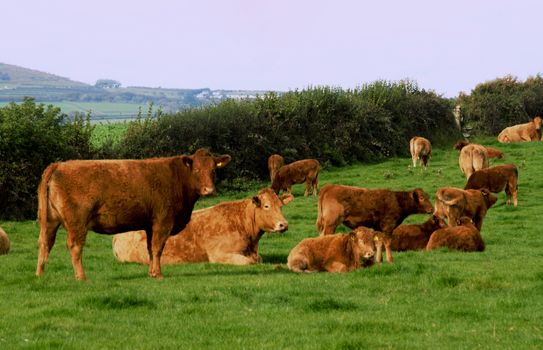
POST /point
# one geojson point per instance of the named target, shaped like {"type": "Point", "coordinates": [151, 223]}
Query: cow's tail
{"type": "Point", "coordinates": [43, 194]}
{"type": "Point", "coordinates": [319, 223]}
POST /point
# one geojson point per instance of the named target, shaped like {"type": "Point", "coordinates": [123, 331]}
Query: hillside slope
{"type": "Point", "coordinates": [12, 76]}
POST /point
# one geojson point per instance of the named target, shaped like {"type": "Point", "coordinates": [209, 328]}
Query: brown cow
{"type": "Point", "coordinates": [464, 237]}
{"type": "Point", "coordinates": [226, 233]}
{"type": "Point", "coordinates": [421, 149]}
{"type": "Point", "coordinates": [305, 170]}
{"type": "Point", "coordinates": [530, 131]}
{"type": "Point", "coordinates": [492, 152]}
{"type": "Point", "coordinates": [380, 209]}
{"type": "Point", "coordinates": [4, 242]}
{"type": "Point", "coordinates": [334, 253]}
{"type": "Point", "coordinates": [495, 179]}
{"type": "Point", "coordinates": [415, 236]}
{"type": "Point", "coordinates": [472, 157]}
{"type": "Point", "coordinates": [112, 196]}
{"type": "Point", "coordinates": [453, 203]}
{"type": "Point", "coordinates": [275, 161]}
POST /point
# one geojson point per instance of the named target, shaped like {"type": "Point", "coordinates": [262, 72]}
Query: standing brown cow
{"type": "Point", "coordinates": [421, 149]}
{"type": "Point", "coordinates": [530, 131]}
{"type": "Point", "coordinates": [492, 152]}
{"type": "Point", "coordinates": [275, 161]}
{"type": "Point", "coordinates": [380, 209]}
{"type": "Point", "coordinates": [226, 233]}
{"type": "Point", "coordinates": [112, 196]}
{"type": "Point", "coordinates": [305, 170]}
{"type": "Point", "coordinates": [464, 237]}
{"type": "Point", "coordinates": [4, 242]}
{"type": "Point", "coordinates": [472, 157]}
{"type": "Point", "coordinates": [495, 179]}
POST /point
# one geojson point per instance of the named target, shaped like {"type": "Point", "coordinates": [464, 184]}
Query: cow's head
{"type": "Point", "coordinates": [366, 243]}
{"type": "Point", "coordinates": [202, 167]}
{"type": "Point", "coordinates": [488, 197]}
{"type": "Point", "coordinates": [268, 215]}
{"type": "Point", "coordinates": [422, 201]}
{"type": "Point", "coordinates": [460, 144]}
{"type": "Point", "coordinates": [537, 122]}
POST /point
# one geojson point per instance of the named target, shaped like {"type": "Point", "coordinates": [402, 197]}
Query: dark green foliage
{"type": "Point", "coordinates": [31, 137]}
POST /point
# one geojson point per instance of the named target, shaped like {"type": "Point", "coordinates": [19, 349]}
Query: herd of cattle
{"type": "Point", "coordinates": [149, 205]}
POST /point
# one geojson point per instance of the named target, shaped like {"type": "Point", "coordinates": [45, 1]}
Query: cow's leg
{"type": "Point", "coordinates": [379, 253]}
{"type": "Point", "coordinates": [307, 187]}
{"type": "Point", "coordinates": [48, 234]}
{"type": "Point", "coordinates": [232, 258]}
{"type": "Point", "coordinates": [388, 249]}
{"type": "Point", "coordinates": [337, 266]}
{"type": "Point", "coordinates": [75, 243]}
{"type": "Point", "coordinates": [414, 159]}
{"type": "Point", "coordinates": [149, 240]}
{"type": "Point", "coordinates": [315, 184]}
{"type": "Point", "coordinates": [160, 235]}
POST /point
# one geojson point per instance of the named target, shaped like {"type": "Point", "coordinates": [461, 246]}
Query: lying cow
{"type": "Point", "coordinates": [305, 170]}
{"type": "Point", "coordinates": [4, 242]}
{"type": "Point", "coordinates": [421, 150]}
{"type": "Point", "coordinates": [334, 253]}
{"type": "Point", "coordinates": [530, 131]}
{"type": "Point", "coordinates": [415, 236]}
{"type": "Point", "coordinates": [472, 157]}
{"type": "Point", "coordinates": [275, 161]}
{"type": "Point", "coordinates": [453, 203]}
{"type": "Point", "coordinates": [464, 237]}
{"type": "Point", "coordinates": [492, 152]}
{"type": "Point", "coordinates": [380, 209]}
{"type": "Point", "coordinates": [114, 196]}
{"type": "Point", "coordinates": [495, 179]}
{"type": "Point", "coordinates": [226, 233]}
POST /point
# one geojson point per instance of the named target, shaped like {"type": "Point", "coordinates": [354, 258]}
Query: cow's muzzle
{"type": "Point", "coordinates": [281, 226]}
{"type": "Point", "coordinates": [206, 191]}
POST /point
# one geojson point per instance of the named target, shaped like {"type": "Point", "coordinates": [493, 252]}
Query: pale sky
{"type": "Point", "coordinates": [445, 46]}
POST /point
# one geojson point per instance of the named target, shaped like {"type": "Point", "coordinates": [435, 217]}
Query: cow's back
{"type": "Point", "coordinates": [4, 242]}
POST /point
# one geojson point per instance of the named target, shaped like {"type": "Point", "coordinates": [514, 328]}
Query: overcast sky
{"type": "Point", "coordinates": [446, 46]}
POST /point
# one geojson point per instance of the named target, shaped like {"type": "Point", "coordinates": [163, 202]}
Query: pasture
{"type": "Point", "coordinates": [443, 299]}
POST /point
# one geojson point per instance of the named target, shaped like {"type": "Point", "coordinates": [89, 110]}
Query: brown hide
{"type": "Point", "coordinates": [530, 131]}
{"type": "Point", "coordinates": [112, 196]}
{"type": "Point", "coordinates": [453, 203]}
{"type": "Point", "coordinates": [226, 233]}
{"type": "Point", "coordinates": [275, 161]}
{"type": "Point", "coordinates": [4, 242]}
{"type": "Point", "coordinates": [421, 149]}
{"type": "Point", "coordinates": [305, 170]}
{"type": "Point", "coordinates": [333, 253]}
{"type": "Point", "coordinates": [495, 179]}
{"type": "Point", "coordinates": [415, 236]}
{"type": "Point", "coordinates": [464, 237]}
{"type": "Point", "coordinates": [472, 157]}
{"type": "Point", "coordinates": [379, 209]}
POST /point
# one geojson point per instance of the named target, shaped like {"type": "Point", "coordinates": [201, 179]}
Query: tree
{"type": "Point", "coordinates": [107, 84]}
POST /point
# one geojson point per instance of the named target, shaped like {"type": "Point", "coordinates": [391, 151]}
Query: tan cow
{"type": "Point", "coordinates": [4, 242]}
{"type": "Point", "coordinates": [421, 149]}
{"type": "Point", "coordinates": [472, 157]}
{"type": "Point", "coordinates": [415, 236]}
{"type": "Point", "coordinates": [334, 253]}
{"type": "Point", "coordinates": [530, 131]}
{"type": "Point", "coordinates": [465, 237]}
{"type": "Point", "coordinates": [305, 170]}
{"type": "Point", "coordinates": [275, 161]}
{"type": "Point", "coordinates": [226, 233]}
{"type": "Point", "coordinates": [453, 203]}
{"type": "Point", "coordinates": [114, 196]}
{"type": "Point", "coordinates": [492, 152]}
{"type": "Point", "coordinates": [495, 179]}
{"type": "Point", "coordinates": [379, 209]}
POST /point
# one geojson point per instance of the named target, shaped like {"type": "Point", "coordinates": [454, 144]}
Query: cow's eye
{"type": "Point", "coordinates": [266, 206]}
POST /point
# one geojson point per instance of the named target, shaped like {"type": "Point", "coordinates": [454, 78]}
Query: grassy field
{"type": "Point", "coordinates": [438, 300]}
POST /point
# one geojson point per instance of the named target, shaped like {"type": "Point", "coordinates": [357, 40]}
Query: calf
{"type": "Point", "coordinates": [415, 236]}
{"type": "Point", "coordinates": [275, 161]}
{"type": "Point", "coordinates": [495, 179]}
{"type": "Point", "coordinates": [380, 209]}
{"type": "Point", "coordinates": [421, 149]}
{"type": "Point", "coordinates": [4, 242]}
{"type": "Point", "coordinates": [453, 203]}
{"type": "Point", "coordinates": [305, 170]}
{"type": "Point", "coordinates": [472, 157]}
{"type": "Point", "coordinates": [227, 233]}
{"type": "Point", "coordinates": [464, 237]}
{"type": "Point", "coordinates": [530, 131]}
{"type": "Point", "coordinates": [333, 253]}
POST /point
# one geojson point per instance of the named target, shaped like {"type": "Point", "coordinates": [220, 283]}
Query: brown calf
{"type": "Point", "coordinates": [464, 237]}
{"type": "Point", "coordinates": [415, 236]}
{"type": "Point", "coordinates": [333, 253]}
{"type": "Point", "coordinates": [113, 196]}
{"type": "Point", "coordinates": [421, 149]}
{"type": "Point", "coordinates": [4, 242]}
{"type": "Point", "coordinates": [275, 161]}
{"type": "Point", "coordinates": [305, 170]}
{"type": "Point", "coordinates": [530, 131]}
{"type": "Point", "coordinates": [495, 179]}
{"type": "Point", "coordinates": [226, 233]}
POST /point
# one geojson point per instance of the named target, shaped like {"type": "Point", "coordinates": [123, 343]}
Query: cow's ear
{"type": "Point", "coordinates": [256, 201]}
{"type": "Point", "coordinates": [221, 161]}
{"type": "Point", "coordinates": [416, 195]}
{"type": "Point", "coordinates": [286, 198]}
{"type": "Point", "coordinates": [187, 161]}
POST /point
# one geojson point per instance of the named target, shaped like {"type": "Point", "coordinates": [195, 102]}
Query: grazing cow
{"type": "Point", "coordinates": [334, 253]}
{"type": "Point", "coordinates": [472, 157]}
{"type": "Point", "coordinates": [112, 196]}
{"type": "Point", "coordinates": [464, 237]}
{"type": "Point", "coordinates": [226, 233]}
{"type": "Point", "coordinates": [4, 242]}
{"type": "Point", "coordinates": [275, 161]}
{"type": "Point", "coordinates": [530, 131]}
{"type": "Point", "coordinates": [415, 236]}
{"type": "Point", "coordinates": [492, 152]}
{"type": "Point", "coordinates": [495, 179]}
{"type": "Point", "coordinates": [380, 209]}
{"type": "Point", "coordinates": [305, 170]}
{"type": "Point", "coordinates": [453, 203]}
{"type": "Point", "coordinates": [421, 149]}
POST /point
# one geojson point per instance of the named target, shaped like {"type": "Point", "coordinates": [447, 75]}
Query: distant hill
{"type": "Point", "coordinates": [12, 76]}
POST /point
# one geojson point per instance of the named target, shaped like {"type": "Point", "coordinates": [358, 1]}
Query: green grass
{"type": "Point", "coordinates": [442, 299]}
